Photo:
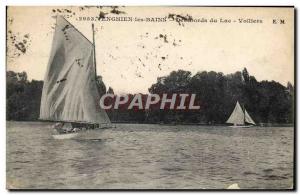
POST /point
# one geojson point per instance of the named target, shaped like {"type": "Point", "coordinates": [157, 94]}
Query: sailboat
{"type": "Point", "coordinates": [70, 95]}
{"type": "Point", "coordinates": [240, 118]}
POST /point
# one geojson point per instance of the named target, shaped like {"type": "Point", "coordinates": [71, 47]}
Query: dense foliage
{"type": "Point", "coordinates": [266, 101]}
{"type": "Point", "coordinates": [23, 98]}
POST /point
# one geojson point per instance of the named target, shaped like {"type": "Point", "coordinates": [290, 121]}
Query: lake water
{"type": "Point", "coordinates": [137, 156]}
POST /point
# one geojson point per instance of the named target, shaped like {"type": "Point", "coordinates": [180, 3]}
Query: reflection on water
{"type": "Point", "coordinates": [150, 156]}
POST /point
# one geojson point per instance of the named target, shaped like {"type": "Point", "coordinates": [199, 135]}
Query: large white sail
{"type": "Point", "coordinates": [248, 119]}
{"type": "Point", "coordinates": [70, 91]}
{"type": "Point", "coordinates": [237, 116]}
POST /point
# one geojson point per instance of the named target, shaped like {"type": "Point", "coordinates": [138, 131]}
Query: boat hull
{"type": "Point", "coordinates": [241, 126]}
{"type": "Point", "coordinates": [87, 134]}
{"type": "Point", "coordinates": [65, 136]}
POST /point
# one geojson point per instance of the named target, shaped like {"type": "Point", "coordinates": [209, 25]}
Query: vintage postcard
{"type": "Point", "coordinates": [163, 98]}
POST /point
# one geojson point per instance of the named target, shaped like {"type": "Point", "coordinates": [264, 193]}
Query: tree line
{"type": "Point", "coordinates": [217, 94]}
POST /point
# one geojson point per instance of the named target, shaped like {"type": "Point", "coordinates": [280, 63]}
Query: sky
{"type": "Point", "coordinates": [132, 54]}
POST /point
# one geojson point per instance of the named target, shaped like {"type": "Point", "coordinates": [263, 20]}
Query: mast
{"type": "Point", "coordinates": [244, 113]}
{"type": "Point", "coordinates": [94, 49]}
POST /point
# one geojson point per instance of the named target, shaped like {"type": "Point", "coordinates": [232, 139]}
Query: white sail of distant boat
{"type": "Point", "coordinates": [70, 92]}
{"type": "Point", "coordinates": [240, 117]}
{"type": "Point", "coordinates": [248, 118]}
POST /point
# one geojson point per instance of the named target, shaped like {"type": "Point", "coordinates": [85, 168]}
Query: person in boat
{"type": "Point", "coordinates": [74, 130]}
{"type": "Point", "coordinates": [58, 127]}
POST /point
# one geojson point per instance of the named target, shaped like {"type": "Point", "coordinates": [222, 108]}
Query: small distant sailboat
{"type": "Point", "coordinates": [240, 118]}
{"type": "Point", "coordinates": [70, 95]}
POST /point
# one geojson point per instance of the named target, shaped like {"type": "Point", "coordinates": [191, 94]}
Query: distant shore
{"type": "Point", "coordinates": [205, 124]}
{"type": "Point", "coordinates": [174, 124]}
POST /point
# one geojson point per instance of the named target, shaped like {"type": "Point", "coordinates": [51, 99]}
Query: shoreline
{"type": "Point", "coordinates": [177, 124]}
